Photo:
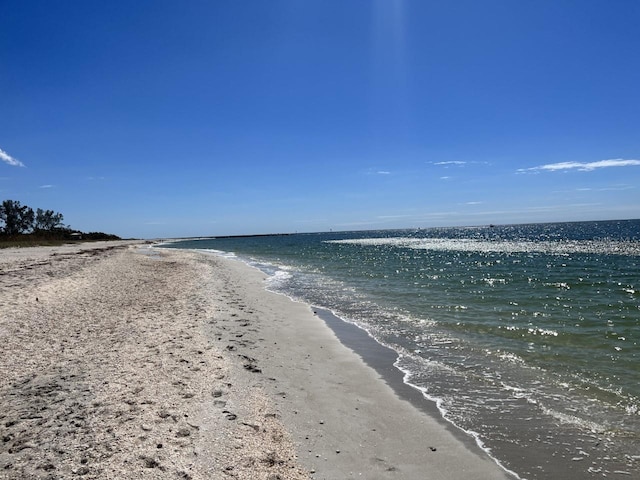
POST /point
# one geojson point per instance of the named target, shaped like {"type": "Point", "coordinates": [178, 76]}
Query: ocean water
{"type": "Point", "coordinates": [526, 336]}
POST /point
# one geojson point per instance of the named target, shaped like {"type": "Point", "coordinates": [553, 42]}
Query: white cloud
{"type": "Point", "coordinates": [617, 188]}
{"type": "Point", "coordinates": [473, 203]}
{"type": "Point", "coordinates": [374, 171]}
{"type": "Point", "coordinates": [392, 217]}
{"type": "Point", "coordinates": [46, 186]}
{"type": "Point", "coordinates": [453, 162]}
{"type": "Point", "coordinates": [612, 188]}
{"type": "Point", "coordinates": [14, 162]}
{"type": "Point", "coordinates": [582, 166]}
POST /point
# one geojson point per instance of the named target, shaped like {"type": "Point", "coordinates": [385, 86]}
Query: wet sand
{"type": "Point", "coordinates": [120, 361]}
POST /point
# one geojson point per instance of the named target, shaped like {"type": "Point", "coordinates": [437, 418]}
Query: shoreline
{"type": "Point", "coordinates": [383, 360]}
{"type": "Point", "coordinates": [356, 413]}
{"type": "Point", "coordinates": [182, 365]}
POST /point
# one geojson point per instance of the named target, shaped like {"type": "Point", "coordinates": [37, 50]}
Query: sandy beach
{"type": "Point", "coordinates": [121, 361]}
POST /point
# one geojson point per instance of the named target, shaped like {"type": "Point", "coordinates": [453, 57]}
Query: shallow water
{"type": "Point", "coordinates": [526, 336]}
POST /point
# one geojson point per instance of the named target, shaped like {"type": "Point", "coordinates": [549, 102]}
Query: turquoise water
{"type": "Point", "coordinates": [526, 336]}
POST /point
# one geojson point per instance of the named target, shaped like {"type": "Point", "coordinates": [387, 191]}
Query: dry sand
{"type": "Point", "coordinates": [123, 362]}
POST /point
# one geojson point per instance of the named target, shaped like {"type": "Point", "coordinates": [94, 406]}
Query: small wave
{"type": "Point", "coordinates": [219, 253]}
{"type": "Point", "coordinates": [632, 409]}
{"type": "Point", "coordinates": [511, 357]}
{"type": "Point", "coordinates": [278, 277]}
{"type": "Point", "coordinates": [493, 281]}
{"type": "Point", "coordinates": [542, 331]}
{"type": "Point", "coordinates": [569, 419]}
{"type": "Point", "coordinates": [439, 402]}
{"type": "Point", "coordinates": [558, 285]}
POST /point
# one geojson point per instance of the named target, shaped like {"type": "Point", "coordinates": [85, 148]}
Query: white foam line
{"type": "Point", "coordinates": [436, 400]}
{"type": "Point", "coordinates": [443, 412]}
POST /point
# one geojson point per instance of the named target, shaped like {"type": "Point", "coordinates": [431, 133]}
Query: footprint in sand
{"type": "Point", "coordinates": [229, 415]}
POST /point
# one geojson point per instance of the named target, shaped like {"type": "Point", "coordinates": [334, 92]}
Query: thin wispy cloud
{"type": "Point", "coordinates": [452, 162]}
{"type": "Point", "coordinates": [375, 171]}
{"type": "Point", "coordinates": [8, 159]}
{"type": "Point", "coordinates": [581, 166]}
{"type": "Point", "coordinates": [613, 188]}
{"type": "Point", "coordinates": [393, 217]}
{"type": "Point", "coordinates": [46, 186]}
{"type": "Point", "coordinates": [458, 163]}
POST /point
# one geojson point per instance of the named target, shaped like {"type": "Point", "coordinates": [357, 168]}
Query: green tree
{"type": "Point", "coordinates": [47, 220]}
{"type": "Point", "coordinates": [17, 218]}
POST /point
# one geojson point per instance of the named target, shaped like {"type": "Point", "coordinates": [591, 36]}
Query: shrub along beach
{"type": "Point", "coordinates": [21, 226]}
{"type": "Point", "coordinates": [124, 361]}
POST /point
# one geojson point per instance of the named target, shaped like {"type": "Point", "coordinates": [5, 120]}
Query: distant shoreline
{"type": "Point", "coordinates": [284, 234]}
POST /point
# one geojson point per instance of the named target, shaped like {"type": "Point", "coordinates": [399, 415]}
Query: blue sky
{"type": "Point", "coordinates": [162, 118]}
